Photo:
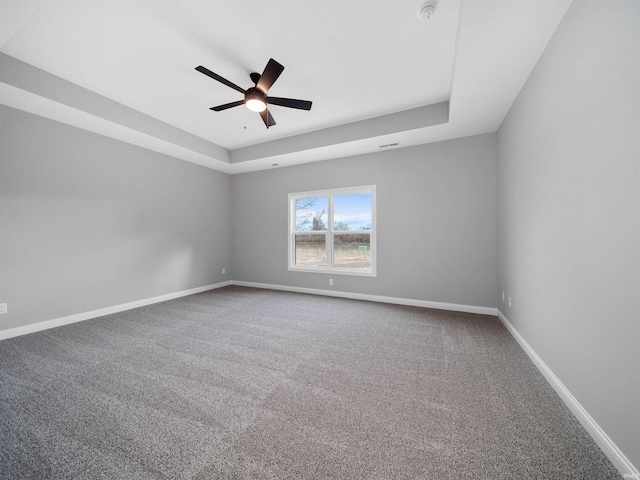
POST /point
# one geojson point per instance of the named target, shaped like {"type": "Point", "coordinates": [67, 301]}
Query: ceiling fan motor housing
{"type": "Point", "coordinates": [255, 77]}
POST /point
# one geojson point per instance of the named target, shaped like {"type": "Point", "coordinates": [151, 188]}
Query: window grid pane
{"type": "Point", "coordinates": [311, 214]}
{"type": "Point", "coordinates": [352, 250]}
{"type": "Point", "coordinates": [352, 212]}
{"type": "Point", "coordinates": [311, 250]}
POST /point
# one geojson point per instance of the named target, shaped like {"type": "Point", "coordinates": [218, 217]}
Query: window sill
{"type": "Point", "coordinates": [335, 271]}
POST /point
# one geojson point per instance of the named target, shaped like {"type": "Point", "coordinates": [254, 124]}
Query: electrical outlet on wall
{"type": "Point", "coordinates": [224, 270]}
{"type": "Point", "coordinates": [509, 302]}
{"type": "Point", "coordinates": [3, 308]}
{"type": "Point", "coordinates": [330, 281]}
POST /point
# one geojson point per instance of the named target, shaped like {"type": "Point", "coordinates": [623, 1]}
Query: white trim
{"type": "Point", "coordinates": [79, 317]}
{"type": "Point", "coordinates": [354, 272]}
{"type": "Point", "coordinates": [613, 453]}
{"type": "Point", "coordinates": [456, 307]}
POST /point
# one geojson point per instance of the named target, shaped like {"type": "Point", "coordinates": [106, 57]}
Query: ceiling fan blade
{"type": "Point", "coordinates": [267, 118]}
{"type": "Point", "coordinates": [271, 73]}
{"type": "Point", "coordinates": [217, 77]}
{"type": "Point", "coordinates": [290, 102]}
{"type": "Point", "coordinates": [219, 108]}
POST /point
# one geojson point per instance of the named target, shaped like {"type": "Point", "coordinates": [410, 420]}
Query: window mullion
{"type": "Point", "coordinates": [329, 240]}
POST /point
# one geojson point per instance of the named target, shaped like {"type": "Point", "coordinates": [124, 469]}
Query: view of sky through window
{"type": "Point", "coordinates": [352, 212]}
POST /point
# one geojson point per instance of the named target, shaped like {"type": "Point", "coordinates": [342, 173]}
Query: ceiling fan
{"type": "Point", "coordinates": [255, 98]}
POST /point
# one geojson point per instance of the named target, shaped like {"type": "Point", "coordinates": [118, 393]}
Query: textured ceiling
{"type": "Point", "coordinates": [375, 72]}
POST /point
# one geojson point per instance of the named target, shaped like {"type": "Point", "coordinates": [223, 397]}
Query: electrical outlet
{"type": "Point", "coordinates": [509, 302]}
{"type": "Point", "coordinates": [330, 281]}
{"type": "Point", "coordinates": [224, 270]}
{"type": "Point", "coordinates": [3, 308]}
{"type": "Point", "coordinates": [503, 296]}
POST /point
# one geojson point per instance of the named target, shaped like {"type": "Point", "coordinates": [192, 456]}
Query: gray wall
{"type": "Point", "coordinates": [569, 213]}
{"type": "Point", "coordinates": [89, 222]}
{"type": "Point", "coordinates": [436, 214]}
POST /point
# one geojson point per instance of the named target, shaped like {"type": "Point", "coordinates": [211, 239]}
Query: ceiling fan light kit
{"type": "Point", "coordinates": [255, 98]}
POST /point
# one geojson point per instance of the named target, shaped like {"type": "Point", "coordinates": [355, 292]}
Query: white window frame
{"type": "Point", "coordinates": [330, 193]}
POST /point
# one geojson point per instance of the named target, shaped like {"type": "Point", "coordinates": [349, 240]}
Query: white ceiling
{"type": "Point", "coordinates": [366, 65]}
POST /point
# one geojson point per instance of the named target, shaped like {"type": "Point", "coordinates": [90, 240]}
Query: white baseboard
{"type": "Point", "coordinates": [79, 317]}
{"type": "Point", "coordinates": [58, 322]}
{"type": "Point", "coordinates": [613, 453]}
{"type": "Point", "coordinates": [374, 298]}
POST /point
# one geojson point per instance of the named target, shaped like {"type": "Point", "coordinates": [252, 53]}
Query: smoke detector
{"type": "Point", "coordinates": [426, 10]}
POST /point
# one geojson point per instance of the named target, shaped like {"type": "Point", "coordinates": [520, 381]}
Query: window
{"type": "Point", "coordinates": [333, 231]}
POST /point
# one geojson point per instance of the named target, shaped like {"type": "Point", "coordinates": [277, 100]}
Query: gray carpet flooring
{"type": "Point", "coordinates": [242, 383]}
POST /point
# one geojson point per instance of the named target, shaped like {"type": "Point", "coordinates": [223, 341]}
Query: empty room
{"type": "Point", "coordinates": [299, 239]}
